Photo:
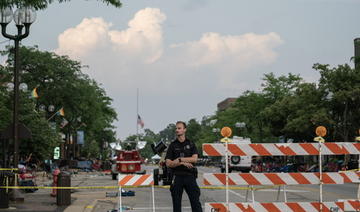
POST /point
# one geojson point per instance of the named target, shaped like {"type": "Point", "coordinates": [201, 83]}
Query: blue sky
{"type": "Point", "coordinates": [185, 56]}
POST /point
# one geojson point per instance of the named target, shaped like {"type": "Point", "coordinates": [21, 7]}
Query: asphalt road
{"type": "Point", "coordinates": [96, 199]}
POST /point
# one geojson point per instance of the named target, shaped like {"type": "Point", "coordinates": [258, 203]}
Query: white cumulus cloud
{"type": "Point", "coordinates": [201, 71]}
{"type": "Point", "coordinates": [89, 35]}
{"type": "Point", "coordinates": [242, 50]}
{"type": "Point", "coordinates": [143, 37]}
{"type": "Point", "coordinates": [142, 40]}
{"type": "Point", "coordinates": [137, 55]}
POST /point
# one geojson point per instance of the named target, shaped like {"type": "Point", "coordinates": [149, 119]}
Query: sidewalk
{"type": "Point", "coordinates": [40, 201]}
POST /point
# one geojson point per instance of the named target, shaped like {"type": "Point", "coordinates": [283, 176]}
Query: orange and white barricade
{"type": "Point", "coordinates": [282, 179]}
{"type": "Point", "coordinates": [280, 149]}
{"type": "Point", "coordinates": [348, 205]}
{"type": "Point", "coordinates": [136, 180]}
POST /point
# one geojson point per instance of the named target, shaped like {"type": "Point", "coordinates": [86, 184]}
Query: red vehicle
{"type": "Point", "coordinates": [128, 161]}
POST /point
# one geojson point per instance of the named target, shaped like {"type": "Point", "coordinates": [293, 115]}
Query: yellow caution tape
{"type": "Point", "coordinates": [351, 170]}
{"type": "Point", "coordinates": [8, 169]}
{"type": "Point", "coordinates": [116, 187]}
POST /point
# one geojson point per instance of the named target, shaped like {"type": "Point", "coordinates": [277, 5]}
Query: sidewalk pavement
{"type": "Point", "coordinates": [41, 201]}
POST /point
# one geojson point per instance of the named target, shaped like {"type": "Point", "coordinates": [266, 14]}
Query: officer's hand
{"type": "Point", "coordinates": [188, 165]}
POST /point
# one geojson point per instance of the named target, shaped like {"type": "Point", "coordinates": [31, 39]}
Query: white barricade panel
{"type": "Point", "coordinates": [346, 205]}
{"type": "Point", "coordinates": [136, 180]}
{"type": "Point", "coordinates": [281, 178]}
{"type": "Point", "coordinates": [279, 149]}
{"type": "Point", "coordinates": [352, 205]}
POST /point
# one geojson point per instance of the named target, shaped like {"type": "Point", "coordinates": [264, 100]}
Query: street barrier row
{"type": "Point", "coordinates": [280, 149]}
{"type": "Point", "coordinates": [281, 179]}
{"type": "Point", "coordinates": [348, 205]}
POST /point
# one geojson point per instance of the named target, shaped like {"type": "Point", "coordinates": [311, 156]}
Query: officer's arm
{"type": "Point", "coordinates": [192, 159]}
{"type": "Point", "coordinates": [170, 154]}
{"type": "Point", "coordinates": [172, 163]}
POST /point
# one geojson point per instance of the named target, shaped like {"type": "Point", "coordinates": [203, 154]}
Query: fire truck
{"type": "Point", "coordinates": [127, 158]}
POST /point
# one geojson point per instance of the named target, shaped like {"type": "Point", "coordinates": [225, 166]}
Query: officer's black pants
{"type": "Point", "coordinates": [187, 182]}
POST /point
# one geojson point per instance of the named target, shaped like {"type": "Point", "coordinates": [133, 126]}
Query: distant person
{"type": "Point", "coordinates": [181, 156]}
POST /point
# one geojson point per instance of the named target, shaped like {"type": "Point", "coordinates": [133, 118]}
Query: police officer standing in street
{"type": "Point", "coordinates": [181, 156]}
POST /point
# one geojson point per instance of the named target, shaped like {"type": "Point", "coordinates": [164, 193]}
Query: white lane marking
{"type": "Point", "coordinates": [276, 190]}
{"type": "Point", "coordinates": [161, 208]}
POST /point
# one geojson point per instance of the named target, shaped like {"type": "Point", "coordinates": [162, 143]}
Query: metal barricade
{"type": "Point", "coordinates": [283, 179]}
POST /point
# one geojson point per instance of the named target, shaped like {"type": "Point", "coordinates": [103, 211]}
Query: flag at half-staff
{"type": "Point", "coordinates": [140, 121]}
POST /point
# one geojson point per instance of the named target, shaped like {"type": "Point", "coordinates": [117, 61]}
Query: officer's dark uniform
{"type": "Point", "coordinates": [184, 178]}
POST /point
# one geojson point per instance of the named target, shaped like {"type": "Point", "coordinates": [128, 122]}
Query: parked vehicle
{"type": "Point", "coordinates": [237, 163]}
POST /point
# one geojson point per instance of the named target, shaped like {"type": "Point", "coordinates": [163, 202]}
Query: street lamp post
{"type": "Point", "coordinates": [22, 17]}
{"type": "Point", "coordinates": [240, 125]}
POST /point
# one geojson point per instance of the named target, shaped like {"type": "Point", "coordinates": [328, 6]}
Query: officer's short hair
{"type": "Point", "coordinates": [181, 122]}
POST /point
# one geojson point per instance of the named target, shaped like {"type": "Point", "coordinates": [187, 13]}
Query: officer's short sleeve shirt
{"type": "Point", "coordinates": [181, 149]}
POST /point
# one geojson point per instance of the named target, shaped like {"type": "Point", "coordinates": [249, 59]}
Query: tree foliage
{"type": "Point", "coordinates": [59, 82]}
{"type": "Point", "coordinates": [290, 108]}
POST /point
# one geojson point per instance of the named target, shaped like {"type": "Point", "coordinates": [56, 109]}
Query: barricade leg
{"type": "Point", "coordinates": [279, 191]}
{"type": "Point", "coordinates": [120, 203]}
{"type": "Point", "coordinates": [359, 183]}
{"type": "Point", "coordinates": [278, 194]}
{"type": "Point", "coordinates": [153, 197]}
{"type": "Point", "coordinates": [250, 187]}
{"type": "Point", "coordinates": [247, 193]}
{"type": "Point", "coordinates": [285, 196]}
{"type": "Point", "coordinates": [253, 194]}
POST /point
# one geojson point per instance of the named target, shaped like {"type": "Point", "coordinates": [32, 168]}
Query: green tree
{"type": "Point", "coordinates": [4, 98]}
{"type": "Point", "coordinates": [275, 89]}
{"type": "Point", "coordinates": [168, 134]}
{"type": "Point", "coordinates": [299, 113]}
{"type": "Point", "coordinates": [61, 83]}
{"type": "Point", "coordinates": [342, 84]}
{"type": "Point", "coordinates": [91, 149]}
{"type": "Point", "coordinates": [192, 129]}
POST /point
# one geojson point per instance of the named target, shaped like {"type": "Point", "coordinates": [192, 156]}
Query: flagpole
{"type": "Point", "coordinates": [137, 114]}
{"type": "Point", "coordinates": [53, 115]}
